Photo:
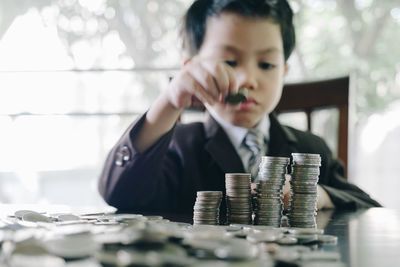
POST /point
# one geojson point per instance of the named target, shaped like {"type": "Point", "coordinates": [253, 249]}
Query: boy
{"type": "Point", "coordinates": [158, 165]}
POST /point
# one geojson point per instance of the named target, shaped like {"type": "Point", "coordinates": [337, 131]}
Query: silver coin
{"type": "Point", "coordinates": [305, 155]}
{"type": "Point", "coordinates": [299, 208]}
{"type": "Point", "coordinates": [326, 256]}
{"type": "Point", "coordinates": [269, 201]}
{"type": "Point", "coordinates": [294, 230]}
{"type": "Point", "coordinates": [20, 213]}
{"type": "Point", "coordinates": [238, 176]}
{"type": "Point", "coordinates": [272, 170]}
{"type": "Point", "coordinates": [302, 210]}
{"type": "Point", "coordinates": [270, 190]}
{"type": "Point", "coordinates": [229, 182]}
{"type": "Point", "coordinates": [36, 217]}
{"type": "Point", "coordinates": [209, 193]}
{"type": "Point", "coordinates": [327, 239]}
{"type": "Point", "coordinates": [287, 240]}
{"type": "Point", "coordinates": [304, 179]}
{"type": "Point", "coordinates": [207, 204]}
{"type": "Point", "coordinates": [236, 209]}
{"type": "Point", "coordinates": [282, 160]}
{"type": "Point", "coordinates": [301, 170]}
{"type": "Point", "coordinates": [303, 182]}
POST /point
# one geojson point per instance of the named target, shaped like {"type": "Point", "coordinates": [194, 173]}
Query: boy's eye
{"type": "Point", "coordinates": [265, 65]}
{"type": "Point", "coordinates": [231, 63]}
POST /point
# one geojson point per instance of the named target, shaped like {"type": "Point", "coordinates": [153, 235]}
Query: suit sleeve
{"type": "Point", "coordinates": [140, 181]}
{"type": "Point", "coordinates": [343, 194]}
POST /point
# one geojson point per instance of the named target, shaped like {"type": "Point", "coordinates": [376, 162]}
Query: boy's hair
{"type": "Point", "coordinates": [194, 22]}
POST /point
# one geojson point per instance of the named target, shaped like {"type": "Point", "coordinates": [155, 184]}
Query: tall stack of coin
{"type": "Point", "coordinates": [238, 198]}
{"type": "Point", "coordinates": [303, 199]}
{"type": "Point", "coordinates": [269, 205]}
{"type": "Point", "coordinates": [206, 207]}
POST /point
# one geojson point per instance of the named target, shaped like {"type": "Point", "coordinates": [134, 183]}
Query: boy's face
{"type": "Point", "coordinates": [254, 49]}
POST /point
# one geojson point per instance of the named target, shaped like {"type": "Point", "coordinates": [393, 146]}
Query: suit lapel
{"type": "Point", "coordinates": [282, 141]}
{"type": "Point", "coordinates": [220, 148]}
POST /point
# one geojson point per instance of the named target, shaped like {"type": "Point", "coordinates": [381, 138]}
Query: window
{"type": "Point", "coordinates": [73, 76]}
{"type": "Point", "coordinates": [75, 73]}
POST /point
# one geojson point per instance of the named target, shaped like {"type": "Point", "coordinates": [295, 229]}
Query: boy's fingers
{"type": "Point", "coordinates": [203, 96]}
{"type": "Point", "coordinates": [206, 80]}
{"type": "Point", "coordinates": [196, 89]}
{"type": "Point", "coordinates": [221, 75]}
{"type": "Point", "coordinates": [232, 89]}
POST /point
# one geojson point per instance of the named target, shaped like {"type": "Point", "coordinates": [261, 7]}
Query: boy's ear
{"type": "Point", "coordinates": [286, 69]}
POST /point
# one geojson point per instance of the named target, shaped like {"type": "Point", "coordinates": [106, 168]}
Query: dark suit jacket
{"type": "Point", "coordinates": [194, 157]}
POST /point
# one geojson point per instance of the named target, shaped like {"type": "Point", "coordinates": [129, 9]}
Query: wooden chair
{"type": "Point", "coordinates": [310, 96]}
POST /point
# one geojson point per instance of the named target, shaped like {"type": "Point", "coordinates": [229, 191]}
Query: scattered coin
{"type": "Point", "coordinates": [265, 236]}
{"type": "Point", "coordinates": [35, 217]}
{"type": "Point", "coordinates": [320, 255]}
{"type": "Point", "coordinates": [236, 249]}
{"type": "Point", "coordinates": [294, 230]}
{"type": "Point", "coordinates": [133, 239]}
{"type": "Point", "coordinates": [72, 246]}
{"type": "Point", "coordinates": [68, 217]}
{"type": "Point", "coordinates": [20, 213]}
{"type": "Point", "coordinates": [327, 239]}
{"type": "Point", "coordinates": [287, 240]}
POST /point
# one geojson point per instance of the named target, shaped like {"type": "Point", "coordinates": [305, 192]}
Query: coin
{"type": "Point", "coordinates": [287, 240]}
{"type": "Point", "coordinates": [235, 99]}
{"type": "Point", "coordinates": [327, 239]}
{"type": "Point", "coordinates": [35, 217]}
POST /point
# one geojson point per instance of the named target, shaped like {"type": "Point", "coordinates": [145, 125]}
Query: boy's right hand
{"type": "Point", "coordinates": [206, 79]}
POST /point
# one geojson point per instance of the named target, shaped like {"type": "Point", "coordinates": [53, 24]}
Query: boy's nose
{"type": "Point", "coordinates": [246, 77]}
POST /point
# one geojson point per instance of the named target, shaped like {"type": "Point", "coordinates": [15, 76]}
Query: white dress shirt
{"type": "Point", "coordinates": [236, 135]}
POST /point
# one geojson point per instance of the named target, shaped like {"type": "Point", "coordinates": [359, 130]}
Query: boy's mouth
{"type": "Point", "coordinates": [250, 100]}
{"type": "Point", "coordinates": [248, 104]}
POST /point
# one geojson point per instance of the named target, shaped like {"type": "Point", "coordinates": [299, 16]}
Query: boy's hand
{"type": "Point", "coordinates": [323, 200]}
{"type": "Point", "coordinates": [286, 192]}
{"type": "Point", "coordinates": [207, 79]}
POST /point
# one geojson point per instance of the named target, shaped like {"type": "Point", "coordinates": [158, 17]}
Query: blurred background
{"type": "Point", "coordinates": [75, 73]}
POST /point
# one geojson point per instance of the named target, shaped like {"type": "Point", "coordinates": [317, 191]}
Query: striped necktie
{"type": "Point", "coordinates": [254, 142]}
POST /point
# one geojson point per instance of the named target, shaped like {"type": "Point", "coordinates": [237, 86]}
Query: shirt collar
{"type": "Point", "coordinates": [236, 133]}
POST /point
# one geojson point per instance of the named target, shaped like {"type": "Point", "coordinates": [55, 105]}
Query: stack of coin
{"type": "Point", "coordinates": [206, 207]}
{"type": "Point", "coordinates": [238, 198]}
{"type": "Point", "coordinates": [303, 199]}
{"type": "Point", "coordinates": [268, 204]}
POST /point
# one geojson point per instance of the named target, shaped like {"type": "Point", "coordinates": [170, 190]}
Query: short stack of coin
{"type": "Point", "coordinates": [303, 199]}
{"type": "Point", "coordinates": [271, 179]}
{"type": "Point", "coordinates": [238, 198]}
{"type": "Point", "coordinates": [206, 207]}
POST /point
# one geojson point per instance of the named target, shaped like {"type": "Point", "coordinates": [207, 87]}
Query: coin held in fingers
{"type": "Point", "coordinates": [235, 99]}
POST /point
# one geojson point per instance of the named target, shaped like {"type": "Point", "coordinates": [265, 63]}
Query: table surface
{"type": "Point", "coordinates": [365, 237]}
